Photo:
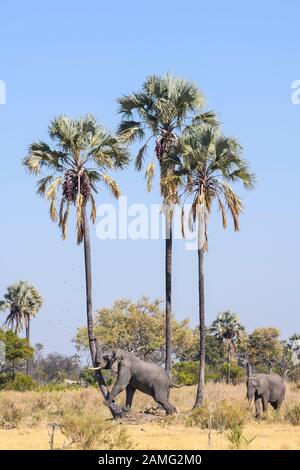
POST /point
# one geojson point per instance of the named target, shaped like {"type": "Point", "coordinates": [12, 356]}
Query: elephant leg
{"type": "Point", "coordinates": [121, 383]}
{"type": "Point", "coordinates": [160, 407]}
{"type": "Point", "coordinates": [281, 399]}
{"type": "Point", "coordinates": [279, 403]}
{"type": "Point", "coordinates": [130, 391]}
{"type": "Point", "coordinates": [257, 407]}
{"type": "Point", "coordinates": [162, 399]}
{"type": "Point", "coordinates": [170, 409]}
{"type": "Point", "coordinates": [265, 404]}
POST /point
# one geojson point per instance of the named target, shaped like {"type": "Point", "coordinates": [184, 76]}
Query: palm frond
{"type": "Point", "coordinates": [41, 155]}
{"type": "Point", "coordinates": [234, 204]}
{"type": "Point", "coordinates": [223, 212]}
{"type": "Point", "coordinates": [65, 221]}
{"type": "Point", "coordinates": [209, 118]}
{"type": "Point", "coordinates": [111, 185]}
{"type": "Point", "coordinates": [140, 157]}
{"type": "Point", "coordinates": [130, 131]}
{"type": "Point", "coordinates": [79, 219]}
{"type": "Point", "coordinates": [149, 175]}
{"type": "Point", "coordinates": [52, 197]}
{"type": "Point", "coordinates": [42, 184]}
{"type": "Point", "coordinates": [93, 209]}
{"type": "Point", "coordinates": [183, 222]}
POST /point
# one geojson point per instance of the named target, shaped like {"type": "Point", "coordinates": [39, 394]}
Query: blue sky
{"type": "Point", "coordinates": [78, 57]}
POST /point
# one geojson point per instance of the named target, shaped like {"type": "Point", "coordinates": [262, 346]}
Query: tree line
{"type": "Point", "coordinates": [230, 349]}
{"type": "Point", "coordinates": [138, 327]}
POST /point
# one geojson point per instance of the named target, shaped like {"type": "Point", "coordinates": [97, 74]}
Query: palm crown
{"type": "Point", "coordinates": [83, 151]}
{"type": "Point", "coordinates": [209, 162]}
{"type": "Point", "coordinates": [228, 328]}
{"type": "Point", "coordinates": [160, 111]}
{"type": "Point", "coordinates": [22, 301]}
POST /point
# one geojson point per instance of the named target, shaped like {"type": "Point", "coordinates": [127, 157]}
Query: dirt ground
{"type": "Point", "coordinates": [152, 436]}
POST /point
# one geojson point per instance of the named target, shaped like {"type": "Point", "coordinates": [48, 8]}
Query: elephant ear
{"type": "Point", "coordinates": [115, 362]}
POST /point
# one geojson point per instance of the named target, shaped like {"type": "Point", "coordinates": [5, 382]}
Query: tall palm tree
{"type": "Point", "coordinates": [22, 301]}
{"type": "Point", "coordinates": [158, 113]}
{"type": "Point", "coordinates": [74, 167]}
{"type": "Point", "coordinates": [228, 329]}
{"type": "Point", "coordinates": [209, 163]}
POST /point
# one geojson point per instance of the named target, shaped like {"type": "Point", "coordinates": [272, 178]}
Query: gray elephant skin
{"type": "Point", "coordinates": [264, 389]}
{"type": "Point", "coordinates": [134, 374]}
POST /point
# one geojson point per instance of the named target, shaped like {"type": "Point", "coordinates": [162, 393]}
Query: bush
{"type": "Point", "coordinates": [237, 439]}
{"type": "Point", "coordinates": [292, 415]}
{"type": "Point", "coordinates": [90, 431]}
{"type": "Point", "coordinates": [88, 376]}
{"type": "Point", "coordinates": [186, 373]}
{"type": "Point", "coordinates": [11, 414]}
{"type": "Point", "coordinates": [212, 376]}
{"type": "Point", "coordinates": [20, 383]}
{"type": "Point", "coordinates": [236, 372]}
{"type": "Point", "coordinates": [5, 377]}
{"type": "Point", "coordinates": [220, 416]}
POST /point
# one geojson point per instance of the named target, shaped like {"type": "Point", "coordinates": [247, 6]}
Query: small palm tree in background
{"type": "Point", "coordinates": [74, 169]}
{"type": "Point", "coordinates": [228, 329]}
{"type": "Point", "coordinates": [209, 162]}
{"type": "Point", "coordinates": [22, 301]}
{"type": "Point", "coordinates": [158, 113]}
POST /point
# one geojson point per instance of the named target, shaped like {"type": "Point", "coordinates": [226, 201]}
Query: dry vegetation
{"type": "Point", "coordinates": [80, 420]}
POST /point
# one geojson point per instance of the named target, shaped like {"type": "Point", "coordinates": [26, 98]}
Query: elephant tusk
{"type": "Point", "coordinates": [95, 368]}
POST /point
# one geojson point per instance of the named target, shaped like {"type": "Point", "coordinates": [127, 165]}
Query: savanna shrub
{"type": "Point", "coordinates": [5, 377]}
{"type": "Point", "coordinates": [237, 439]}
{"type": "Point", "coordinates": [292, 414]}
{"type": "Point", "coordinates": [21, 383]}
{"type": "Point", "coordinates": [212, 376]}
{"type": "Point", "coordinates": [91, 431]}
{"type": "Point", "coordinates": [88, 376]}
{"type": "Point", "coordinates": [236, 372]}
{"type": "Point", "coordinates": [222, 415]}
{"type": "Point", "coordinates": [11, 414]}
{"type": "Point", "coordinates": [185, 373]}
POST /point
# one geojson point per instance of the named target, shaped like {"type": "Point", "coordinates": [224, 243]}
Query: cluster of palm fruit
{"type": "Point", "coordinates": [163, 144]}
{"type": "Point", "coordinates": [75, 182]}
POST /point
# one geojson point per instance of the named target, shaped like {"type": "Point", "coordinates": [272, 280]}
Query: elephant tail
{"type": "Point", "coordinates": [172, 385]}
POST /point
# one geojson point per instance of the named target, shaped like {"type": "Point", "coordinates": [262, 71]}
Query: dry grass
{"type": "Point", "coordinates": [25, 419]}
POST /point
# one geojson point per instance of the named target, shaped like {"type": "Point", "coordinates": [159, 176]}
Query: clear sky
{"type": "Point", "coordinates": [76, 57]}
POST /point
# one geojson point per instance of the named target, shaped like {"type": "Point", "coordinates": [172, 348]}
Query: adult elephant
{"type": "Point", "coordinates": [265, 388]}
{"type": "Point", "coordinates": [134, 374]}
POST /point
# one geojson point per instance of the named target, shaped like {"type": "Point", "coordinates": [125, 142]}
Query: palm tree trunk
{"type": "Point", "coordinates": [168, 286]}
{"type": "Point", "coordinates": [200, 388]}
{"type": "Point", "coordinates": [28, 341]}
{"type": "Point", "coordinates": [228, 363]}
{"type": "Point", "coordinates": [114, 408]}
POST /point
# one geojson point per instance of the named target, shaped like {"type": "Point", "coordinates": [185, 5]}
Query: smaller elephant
{"type": "Point", "coordinates": [134, 374]}
{"type": "Point", "coordinates": [265, 388]}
